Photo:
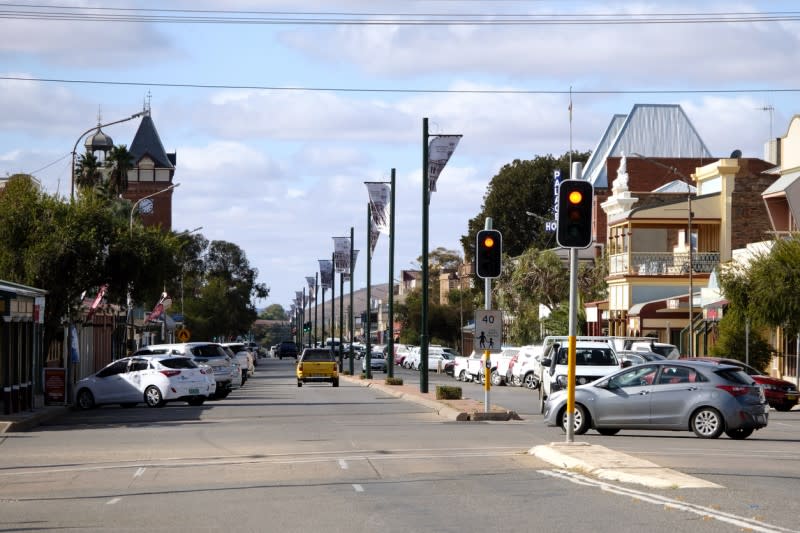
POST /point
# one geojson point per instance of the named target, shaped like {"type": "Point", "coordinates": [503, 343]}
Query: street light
{"type": "Point", "coordinates": [75, 148]}
{"type": "Point", "coordinates": [137, 202]}
{"type": "Point", "coordinates": [688, 237]}
{"type": "Point", "coordinates": [130, 232]}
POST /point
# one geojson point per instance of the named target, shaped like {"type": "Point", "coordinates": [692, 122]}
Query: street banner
{"type": "Point", "coordinates": [96, 303]}
{"type": "Point", "coordinates": [373, 238]}
{"type": "Point", "coordinates": [341, 254]}
{"type": "Point", "coordinates": [298, 298]}
{"type": "Point", "coordinates": [312, 281]}
{"type": "Point", "coordinates": [347, 272]}
{"type": "Point", "coordinates": [380, 200]}
{"type": "Point", "coordinates": [159, 308]}
{"type": "Point", "coordinates": [440, 149]}
{"type": "Point", "coordinates": [325, 273]}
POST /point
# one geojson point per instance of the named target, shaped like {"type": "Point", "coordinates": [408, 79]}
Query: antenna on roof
{"type": "Point", "coordinates": [771, 112]}
{"type": "Point", "coordinates": [146, 103]}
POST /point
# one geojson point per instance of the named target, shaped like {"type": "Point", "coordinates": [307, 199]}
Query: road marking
{"type": "Point", "coordinates": [358, 488]}
{"type": "Point", "coordinates": [139, 472]}
{"type": "Point", "coordinates": [750, 524]}
{"type": "Point", "coordinates": [343, 464]}
{"type": "Point", "coordinates": [112, 501]}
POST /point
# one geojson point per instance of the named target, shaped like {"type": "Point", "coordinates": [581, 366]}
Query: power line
{"type": "Point", "coordinates": [754, 90]}
{"type": "Point", "coordinates": [197, 16]}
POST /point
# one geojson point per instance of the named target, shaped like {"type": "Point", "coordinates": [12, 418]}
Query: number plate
{"type": "Point", "coordinates": [194, 391]}
{"type": "Point", "coordinates": [791, 396]}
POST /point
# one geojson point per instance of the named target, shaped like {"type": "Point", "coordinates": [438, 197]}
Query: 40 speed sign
{"type": "Point", "coordinates": [488, 330]}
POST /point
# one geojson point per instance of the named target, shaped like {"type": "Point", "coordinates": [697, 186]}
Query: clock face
{"type": "Point", "coordinates": [146, 206]}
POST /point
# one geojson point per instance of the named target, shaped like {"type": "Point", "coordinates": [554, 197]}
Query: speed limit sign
{"type": "Point", "coordinates": [488, 330]}
{"type": "Point", "coordinates": [183, 335]}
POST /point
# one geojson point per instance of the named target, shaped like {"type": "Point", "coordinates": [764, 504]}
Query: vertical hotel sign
{"type": "Point", "coordinates": [552, 225]}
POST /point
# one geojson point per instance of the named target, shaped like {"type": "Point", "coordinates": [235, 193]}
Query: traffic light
{"type": "Point", "coordinates": [306, 327]}
{"type": "Point", "coordinates": [574, 214]}
{"type": "Point", "coordinates": [489, 253]}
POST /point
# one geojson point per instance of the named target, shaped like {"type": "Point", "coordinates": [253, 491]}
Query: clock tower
{"type": "Point", "coordinates": [153, 171]}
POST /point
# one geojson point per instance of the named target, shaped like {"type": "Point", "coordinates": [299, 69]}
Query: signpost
{"type": "Point", "coordinates": [489, 330]}
{"type": "Point", "coordinates": [183, 335]}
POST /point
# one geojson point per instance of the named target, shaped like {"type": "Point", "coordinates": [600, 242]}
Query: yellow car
{"type": "Point", "coordinates": [317, 364]}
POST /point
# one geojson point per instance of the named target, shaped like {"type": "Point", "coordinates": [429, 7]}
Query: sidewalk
{"type": "Point", "coordinates": [462, 410]}
{"type": "Point", "coordinates": [26, 420]}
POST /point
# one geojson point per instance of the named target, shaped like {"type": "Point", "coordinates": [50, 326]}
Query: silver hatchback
{"type": "Point", "coordinates": [667, 395]}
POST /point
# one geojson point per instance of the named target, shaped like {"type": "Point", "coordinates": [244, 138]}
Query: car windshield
{"type": "Point", "coordinates": [589, 357]}
{"type": "Point", "coordinates": [317, 355]}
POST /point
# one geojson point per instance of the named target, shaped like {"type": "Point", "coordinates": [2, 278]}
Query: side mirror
{"type": "Point", "coordinates": [546, 361]}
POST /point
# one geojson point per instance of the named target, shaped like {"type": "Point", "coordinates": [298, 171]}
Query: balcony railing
{"type": "Point", "coordinates": [662, 263]}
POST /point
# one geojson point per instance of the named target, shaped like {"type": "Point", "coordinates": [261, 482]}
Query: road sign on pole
{"type": "Point", "coordinates": [488, 330]}
{"type": "Point", "coordinates": [183, 335]}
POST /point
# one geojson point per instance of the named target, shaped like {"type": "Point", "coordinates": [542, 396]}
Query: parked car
{"type": "Point", "coordinates": [401, 351]}
{"type": "Point", "coordinates": [464, 365]}
{"type": "Point", "coordinates": [150, 379]}
{"type": "Point", "coordinates": [226, 371]}
{"type": "Point", "coordinates": [526, 367]}
{"type": "Point", "coordinates": [245, 356]}
{"type": "Point", "coordinates": [501, 364]}
{"type": "Point", "coordinates": [317, 364]}
{"type": "Point", "coordinates": [287, 349]}
{"type": "Point", "coordinates": [638, 357]}
{"type": "Point", "coordinates": [377, 361]}
{"type": "Point", "coordinates": [698, 396]}
{"type": "Point", "coordinates": [411, 360]}
{"type": "Point", "coordinates": [780, 394]}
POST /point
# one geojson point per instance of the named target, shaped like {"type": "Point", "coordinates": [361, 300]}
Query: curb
{"type": "Point", "coordinates": [607, 464]}
{"type": "Point", "coordinates": [441, 408]}
{"type": "Point", "coordinates": [31, 420]}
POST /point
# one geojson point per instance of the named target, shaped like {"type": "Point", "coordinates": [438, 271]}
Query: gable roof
{"type": "Point", "coordinates": [146, 142]}
{"type": "Point", "coordinates": [652, 130]}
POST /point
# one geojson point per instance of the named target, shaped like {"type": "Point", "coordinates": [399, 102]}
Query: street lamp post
{"type": "Point", "coordinates": [690, 240]}
{"type": "Point", "coordinates": [137, 202]}
{"type": "Point", "coordinates": [75, 148]}
{"type": "Point", "coordinates": [130, 233]}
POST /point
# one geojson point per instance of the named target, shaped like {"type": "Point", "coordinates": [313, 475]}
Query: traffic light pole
{"type": "Point", "coordinates": [487, 304]}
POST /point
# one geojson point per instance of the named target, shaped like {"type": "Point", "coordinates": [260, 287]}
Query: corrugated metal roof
{"type": "Point", "coordinates": [652, 130]}
{"type": "Point", "coordinates": [782, 183]}
{"type": "Point", "coordinates": [676, 186]}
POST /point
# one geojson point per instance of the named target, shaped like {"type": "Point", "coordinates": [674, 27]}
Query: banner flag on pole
{"type": "Point", "coordinates": [96, 303]}
{"type": "Point", "coordinates": [440, 149]}
{"type": "Point", "coordinates": [341, 254]}
{"type": "Point", "coordinates": [158, 309]}
{"type": "Point", "coordinates": [298, 298]}
{"type": "Point", "coordinates": [374, 233]}
{"type": "Point", "coordinates": [325, 273]}
{"type": "Point", "coordinates": [312, 281]}
{"type": "Point", "coordinates": [380, 198]}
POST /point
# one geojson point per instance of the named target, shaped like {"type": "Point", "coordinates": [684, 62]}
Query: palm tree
{"type": "Point", "coordinates": [88, 173]}
{"type": "Point", "coordinates": [120, 161]}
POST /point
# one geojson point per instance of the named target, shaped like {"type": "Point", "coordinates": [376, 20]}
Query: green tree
{"type": "Point", "coordinates": [119, 162]}
{"type": "Point", "coordinates": [518, 188]}
{"type": "Point", "coordinates": [273, 312]}
{"type": "Point", "coordinates": [87, 172]}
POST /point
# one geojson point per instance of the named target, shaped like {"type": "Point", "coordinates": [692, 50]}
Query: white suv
{"type": "Point", "coordinates": [593, 360]}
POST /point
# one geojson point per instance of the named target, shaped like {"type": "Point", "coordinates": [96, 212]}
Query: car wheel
{"type": "Point", "coordinates": [784, 407]}
{"type": "Point", "coordinates": [542, 400]}
{"type": "Point", "coordinates": [496, 379]}
{"type": "Point", "coordinates": [608, 432]}
{"type": "Point", "coordinates": [153, 397]}
{"type": "Point", "coordinates": [516, 381]}
{"type": "Point", "coordinates": [480, 378]}
{"type": "Point", "coordinates": [580, 423]}
{"type": "Point", "coordinates": [299, 383]}
{"type": "Point", "coordinates": [739, 434]}
{"type": "Point", "coordinates": [530, 381]}
{"type": "Point", "coordinates": [335, 382]}
{"type": "Point", "coordinates": [462, 376]}
{"type": "Point", "coordinates": [85, 399]}
{"type": "Point", "coordinates": [221, 395]}
{"type": "Point", "coordinates": [707, 423]}
{"type": "Point", "coordinates": [196, 401]}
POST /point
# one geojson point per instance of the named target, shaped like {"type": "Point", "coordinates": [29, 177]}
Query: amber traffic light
{"type": "Point", "coordinates": [574, 214]}
{"type": "Point", "coordinates": [488, 253]}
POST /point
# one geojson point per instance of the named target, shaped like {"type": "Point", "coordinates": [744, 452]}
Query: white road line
{"type": "Point", "coordinates": [343, 464]}
{"type": "Point", "coordinates": [358, 488]}
{"type": "Point", "coordinates": [139, 472]}
{"type": "Point", "coordinates": [112, 501]}
{"type": "Point", "coordinates": [655, 499]}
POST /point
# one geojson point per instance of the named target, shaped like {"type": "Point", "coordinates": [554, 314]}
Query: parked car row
{"type": "Point", "coordinates": [160, 373]}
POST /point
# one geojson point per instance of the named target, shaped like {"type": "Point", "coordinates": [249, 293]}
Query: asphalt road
{"type": "Point", "coordinates": [275, 457]}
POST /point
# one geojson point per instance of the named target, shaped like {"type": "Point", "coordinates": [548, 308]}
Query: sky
{"type": "Point", "coordinates": [279, 111]}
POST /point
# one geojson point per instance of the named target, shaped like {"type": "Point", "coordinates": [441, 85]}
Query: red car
{"type": "Point", "coordinates": [781, 394]}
